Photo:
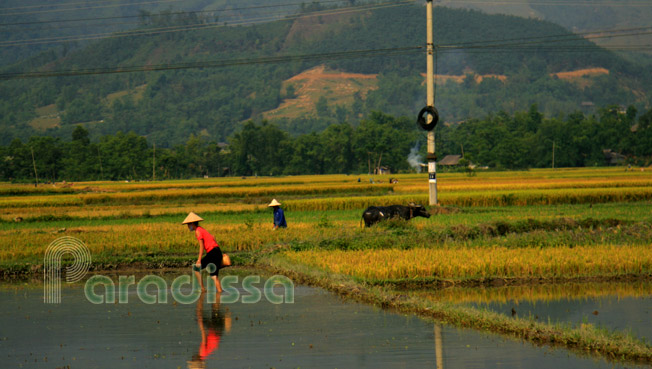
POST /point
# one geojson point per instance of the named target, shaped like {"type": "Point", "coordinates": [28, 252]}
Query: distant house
{"type": "Point", "coordinates": [224, 147]}
{"type": "Point", "coordinates": [622, 109]}
{"type": "Point", "coordinates": [383, 170]}
{"type": "Point", "coordinates": [613, 158]}
{"type": "Point", "coordinates": [450, 160]}
{"type": "Point", "coordinates": [587, 106]}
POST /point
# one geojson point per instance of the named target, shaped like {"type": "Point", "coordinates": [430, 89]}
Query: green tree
{"type": "Point", "coordinates": [80, 160]}
{"type": "Point", "coordinates": [124, 156]}
{"type": "Point", "coordinates": [322, 107]}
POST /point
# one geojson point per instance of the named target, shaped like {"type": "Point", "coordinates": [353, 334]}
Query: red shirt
{"type": "Point", "coordinates": [209, 241]}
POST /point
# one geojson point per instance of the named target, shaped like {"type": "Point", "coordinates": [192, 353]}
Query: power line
{"type": "Point", "coordinates": [553, 38]}
{"type": "Point", "coordinates": [165, 14]}
{"type": "Point", "coordinates": [572, 36]}
{"type": "Point", "coordinates": [476, 2]}
{"type": "Point", "coordinates": [304, 57]}
{"type": "Point", "coordinates": [507, 50]}
{"type": "Point", "coordinates": [543, 41]}
{"type": "Point", "coordinates": [88, 8]}
{"type": "Point", "coordinates": [58, 28]}
{"type": "Point", "coordinates": [553, 3]}
{"type": "Point", "coordinates": [70, 4]}
{"type": "Point", "coordinates": [217, 63]}
{"type": "Point", "coordinates": [198, 26]}
{"type": "Point", "coordinates": [528, 44]}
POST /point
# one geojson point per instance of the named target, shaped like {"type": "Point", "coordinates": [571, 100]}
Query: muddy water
{"type": "Point", "coordinates": [318, 330]}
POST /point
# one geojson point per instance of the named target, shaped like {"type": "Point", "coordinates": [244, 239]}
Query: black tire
{"type": "Point", "coordinates": [421, 119]}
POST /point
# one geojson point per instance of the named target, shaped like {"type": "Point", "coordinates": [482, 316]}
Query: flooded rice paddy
{"type": "Point", "coordinates": [621, 306]}
{"type": "Point", "coordinates": [318, 330]}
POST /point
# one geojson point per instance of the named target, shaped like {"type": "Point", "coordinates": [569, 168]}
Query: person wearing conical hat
{"type": "Point", "coordinates": [279, 216]}
{"type": "Point", "coordinates": [213, 252]}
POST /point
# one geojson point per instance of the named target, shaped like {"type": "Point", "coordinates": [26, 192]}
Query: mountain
{"type": "Point", "coordinates": [23, 20]}
{"type": "Point", "coordinates": [584, 16]}
{"type": "Point", "coordinates": [217, 77]}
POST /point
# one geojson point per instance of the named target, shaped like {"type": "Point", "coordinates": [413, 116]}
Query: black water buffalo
{"type": "Point", "coordinates": [375, 214]}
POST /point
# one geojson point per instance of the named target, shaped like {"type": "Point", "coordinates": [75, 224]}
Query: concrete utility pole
{"type": "Point", "coordinates": [34, 163]}
{"type": "Point", "coordinates": [154, 164]}
{"type": "Point", "coordinates": [430, 101]}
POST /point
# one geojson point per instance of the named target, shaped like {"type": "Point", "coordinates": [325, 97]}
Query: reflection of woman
{"type": "Point", "coordinates": [213, 253]}
{"type": "Point", "coordinates": [211, 329]}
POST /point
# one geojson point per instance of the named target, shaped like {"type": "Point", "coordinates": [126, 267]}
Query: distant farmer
{"type": "Point", "coordinates": [213, 253]}
{"type": "Point", "coordinates": [279, 216]}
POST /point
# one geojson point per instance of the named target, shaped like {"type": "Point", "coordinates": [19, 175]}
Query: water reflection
{"type": "Point", "coordinates": [542, 292]}
{"type": "Point", "coordinates": [211, 327]}
{"type": "Point", "coordinates": [439, 347]}
{"type": "Point", "coordinates": [320, 330]}
{"type": "Point", "coordinates": [622, 306]}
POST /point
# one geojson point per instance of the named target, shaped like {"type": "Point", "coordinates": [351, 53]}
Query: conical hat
{"type": "Point", "coordinates": [274, 203]}
{"type": "Point", "coordinates": [191, 218]}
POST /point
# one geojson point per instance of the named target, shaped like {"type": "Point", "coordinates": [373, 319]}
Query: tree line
{"type": "Point", "coordinates": [500, 141]}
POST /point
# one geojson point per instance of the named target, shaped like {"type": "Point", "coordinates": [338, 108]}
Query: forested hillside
{"type": "Point", "coordinates": [576, 16]}
{"type": "Point", "coordinates": [168, 106]}
{"type": "Point", "coordinates": [36, 19]}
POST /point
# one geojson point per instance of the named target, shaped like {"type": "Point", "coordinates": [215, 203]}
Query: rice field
{"type": "Point", "coordinates": [480, 263]}
{"type": "Point", "coordinates": [569, 225]}
{"type": "Point", "coordinates": [142, 218]}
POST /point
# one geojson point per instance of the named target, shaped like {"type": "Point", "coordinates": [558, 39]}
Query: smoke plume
{"type": "Point", "coordinates": [414, 159]}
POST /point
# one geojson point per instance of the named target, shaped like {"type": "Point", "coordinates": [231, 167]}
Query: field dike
{"type": "Point", "coordinates": [584, 340]}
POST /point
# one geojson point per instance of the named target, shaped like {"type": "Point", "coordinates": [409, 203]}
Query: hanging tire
{"type": "Point", "coordinates": [422, 120]}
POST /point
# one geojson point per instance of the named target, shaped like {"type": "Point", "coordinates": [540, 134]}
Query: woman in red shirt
{"type": "Point", "coordinates": [213, 253]}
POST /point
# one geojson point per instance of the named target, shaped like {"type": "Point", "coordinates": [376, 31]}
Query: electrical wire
{"type": "Point", "coordinates": [294, 58]}
{"type": "Point", "coordinates": [549, 50]}
{"type": "Point", "coordinates": [553, 43]}
{"type": "Point", "coordinates": [160, 30]}
{"type": "Point", "coordinates": [169, 13]}
{"type": "Point", "coordinates": [553, 3]}
{"type": "Point", "coordinates": [87, 8]}
{"type": "Point", "coordinates": [541, 41]}
{"type": "Point", "coordinates": [576, 36]}
{"type": "Point", "coordinates": [217, 63]}
{"type": "Point", "coordinates": [70, 4]}
{"type": "Point", "coordinates": [627, 32]}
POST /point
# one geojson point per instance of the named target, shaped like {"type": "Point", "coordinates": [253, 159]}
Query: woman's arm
{"type": "Point", "coordinates": [201, 251]}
